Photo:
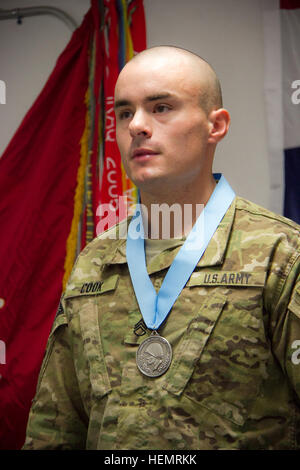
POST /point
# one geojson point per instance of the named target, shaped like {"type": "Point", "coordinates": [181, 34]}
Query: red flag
{"type": "Point", "coordinates": [37, 183]}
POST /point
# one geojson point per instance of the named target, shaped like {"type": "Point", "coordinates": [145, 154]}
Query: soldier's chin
{"type": "Point", "coordinates": [152, 184]}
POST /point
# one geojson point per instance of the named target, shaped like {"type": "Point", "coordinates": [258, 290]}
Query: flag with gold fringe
{"type": "Point", "coordinates": [60, 166]}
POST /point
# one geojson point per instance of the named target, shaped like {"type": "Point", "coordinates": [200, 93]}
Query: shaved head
{"type": "Point", "coordinates": [210, 94]}
{"type": "Point", "coordinates": [169, 119]}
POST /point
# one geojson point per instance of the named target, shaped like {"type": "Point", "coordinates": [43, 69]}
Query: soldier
{"type": "Point", "coordinates": [221, 312]}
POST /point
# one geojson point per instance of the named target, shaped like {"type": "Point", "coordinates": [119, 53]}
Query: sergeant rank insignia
{"type": "Point", "coordinates": [140, 328]}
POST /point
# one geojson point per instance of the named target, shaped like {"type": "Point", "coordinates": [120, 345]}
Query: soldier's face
{"type": "Point", "coordinates": [161, 129]}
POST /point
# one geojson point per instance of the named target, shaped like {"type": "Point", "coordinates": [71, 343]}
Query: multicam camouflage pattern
{"type": "Point", "coordinates": [234, 382]}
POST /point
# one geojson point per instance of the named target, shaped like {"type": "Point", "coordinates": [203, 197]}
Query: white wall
{"type": "Point", "coordinates": [228, 33]}
{"type": "Point", "coordinates": [28, 53]}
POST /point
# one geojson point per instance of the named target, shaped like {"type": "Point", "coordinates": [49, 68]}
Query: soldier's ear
{"type": "Point", "coordinates": [219, 121]}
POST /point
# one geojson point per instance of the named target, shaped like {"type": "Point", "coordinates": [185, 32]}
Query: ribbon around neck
{"type": "Point", "coordinates": [155, 307]}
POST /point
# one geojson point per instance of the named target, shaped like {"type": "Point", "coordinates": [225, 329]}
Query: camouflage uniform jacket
{"type": "Point", "coordinates": [234, 381]}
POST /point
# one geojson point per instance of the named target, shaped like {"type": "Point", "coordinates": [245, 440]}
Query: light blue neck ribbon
{"type": "Point", "coordinates": [156, 307]}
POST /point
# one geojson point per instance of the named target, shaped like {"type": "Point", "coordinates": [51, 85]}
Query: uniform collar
{"type": "Point", "coordinates": [213, 255]}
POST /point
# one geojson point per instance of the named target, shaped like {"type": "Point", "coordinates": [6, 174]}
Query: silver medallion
{"type": "Point", "coordinates": [154, 355]}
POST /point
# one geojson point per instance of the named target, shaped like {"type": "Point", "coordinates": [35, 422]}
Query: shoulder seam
{"type": "Point", "coordinates": [269, 215]}
{"type": "Point", "coordinates": [115, 227]}
{"type": "Point", "coordinates": [292, 261]}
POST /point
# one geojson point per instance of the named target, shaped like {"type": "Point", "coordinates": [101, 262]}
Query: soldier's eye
{"type": "Point", "coordinates": [162, 108]}
{"type": "Point", "coordinates": [126, 114]}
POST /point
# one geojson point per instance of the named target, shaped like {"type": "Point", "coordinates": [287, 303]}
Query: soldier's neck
{"type": "Point", "coordinates": [172, 214]}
